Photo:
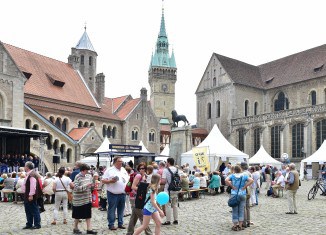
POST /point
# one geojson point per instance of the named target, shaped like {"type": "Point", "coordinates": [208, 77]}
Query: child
{"type": "Point", "coordinates": [151, 209]}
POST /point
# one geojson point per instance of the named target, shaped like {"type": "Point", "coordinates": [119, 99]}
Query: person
{"type": "Point", "coordinates": [227, 170]}
{"type": "Point", "coordinates": [254, 185]}
{"type": "Point", "coordinates": [184, 182]}
{"type": "Point", "coordinates": [214, 183]}
{"type": "Point", "coordinates": [222, 167]}
{"type": "Point", "coordinates": [9, 185]}
{"type": "Point", "coordinates": [323, 175]}
{"type": "Point", "coordinates": [292, 186]}
{"type": "Point", "coordinates": [149, 173]}
{"type": "Point", "coordinates": [48, 187]}
{"type": "Point", "coordinates": [75, 171]}
{"type": "Point", "coordinates": [203, 181]}
{"type": "Point", "coordinates": [173, 202]}
{"type": "Point", "coordinates": [32, 191]}
{"type": "Point", "coordinates": [82, 199]}
{"type": "Point", "coordinates": [268, 177]}
{"type": "Point", "coordinates": [151, 209]}
{"type": "Point", "coordinates": [246, 222]}
{"type": "Point", "coordinates": [278, 183]}
{"type": "Point", "coordinates": [258, 179]}
{"type": "Point", "coordinates": [116, 179]}
{"type": "Point", "coordinates": [238, 183]}
{"type": "Point", "coordinates": [137, 214]}
{"type": "Point", "coordinates": [60, 186]}
{"type": "Point", "coordinates": [19, 184]}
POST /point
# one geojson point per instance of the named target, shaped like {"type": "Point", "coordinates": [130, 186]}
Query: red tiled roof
{"type": "Point", "coordinates": [45, 72]}
{"type": "Point", "coordinates": [78, 133]}
{"type": "Point", "coordinates": [127, 108]}
{"type": "Point", "coordinates": [119, 101]}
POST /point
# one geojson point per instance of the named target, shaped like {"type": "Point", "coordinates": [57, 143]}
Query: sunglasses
{"type": "Point", "coordinates": [141, 168]}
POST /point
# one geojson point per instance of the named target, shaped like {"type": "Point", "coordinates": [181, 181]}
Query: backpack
{"type": "Point", "coordinates": [140, 199]}
{"type": "Point", "coordinates": [129, 184]}
{"type": "Point", "coordinates": [270, 192]}
{"type": "Point", "coordinates": [175, 184]}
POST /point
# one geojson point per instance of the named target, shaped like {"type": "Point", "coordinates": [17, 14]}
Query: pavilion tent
{"type": "Point", "coordinates": [318, 158]}
{"type": "Point", "coordinates": [263, 158]}
{"type": "Point", "coordinates": [218, 149]}
{"type": "Point", "coordinates": [105, 146]}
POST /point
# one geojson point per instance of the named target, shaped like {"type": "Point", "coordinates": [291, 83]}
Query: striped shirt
{"type": "Point", "coordinates": [82, 194]}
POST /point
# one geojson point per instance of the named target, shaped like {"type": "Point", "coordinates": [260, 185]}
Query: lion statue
{"type": "Point", "coordinates": [176, 118]}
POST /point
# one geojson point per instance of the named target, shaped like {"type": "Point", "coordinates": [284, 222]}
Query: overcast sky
{"type": "Point", "coordinates": [124, 32]}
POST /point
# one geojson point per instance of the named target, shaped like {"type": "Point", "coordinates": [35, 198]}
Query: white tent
{"type": "Point", "coordinates": [164, 154]}
{"type": "Point", "coordinates": [104, 146]}
{"type": "Point", "coordinates": [143, 147]}
{"type": "Point", "coordinates": [219, 148]}
{"type": "Point", "coordinates": [263, 158]}
{"type": "Point", "coordinates": [318, 157]}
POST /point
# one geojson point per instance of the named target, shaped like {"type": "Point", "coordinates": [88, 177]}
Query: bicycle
{"type": "Point", "coordinates": [318, 185]}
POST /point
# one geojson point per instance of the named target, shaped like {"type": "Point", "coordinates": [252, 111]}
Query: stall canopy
{"type": "Point", "coordinates": [318, 157]}
{"type": "Point", "coordinates": [219, 148]}
{"type": "Point", "coordinates": [105, 146]}
{"type": "Point", "coordinates": [263, 158]}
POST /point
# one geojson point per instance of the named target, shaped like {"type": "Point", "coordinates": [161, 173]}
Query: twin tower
{"type": "Point", "coordinates": [162, 74]}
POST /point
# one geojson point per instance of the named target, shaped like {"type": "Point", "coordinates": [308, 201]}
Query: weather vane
{"type": "Point", "coordinates": [85, 25]}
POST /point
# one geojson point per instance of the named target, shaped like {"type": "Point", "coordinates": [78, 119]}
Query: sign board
{"type": "Point", "coordinates": [200, 158]}
{"type": "Point", "coordinates": [123, 147]}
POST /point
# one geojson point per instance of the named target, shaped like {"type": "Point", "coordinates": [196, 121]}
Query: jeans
{"type": "Point", "coordinates": [32, 213]}
{"type": "Point", "coordinates": [238, 211]}
{"type": "Point", "coordinates": [257, 192]}
{"type": "Point", "coordinates": [116, 202]}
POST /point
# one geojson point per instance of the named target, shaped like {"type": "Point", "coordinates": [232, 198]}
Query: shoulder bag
{"type": "Point", "coordinates": [234, 200]}
{"type": "Point", "coordinates": [68, 192]}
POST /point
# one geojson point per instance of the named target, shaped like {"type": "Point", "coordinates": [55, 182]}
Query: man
{"type": "Point", "coordinates": [246, 222]}
{"type": "Point", "coordinates": [116, 178]}
{"type": "Point", "coordinates": [323, 175]}
{"type": "Point", "coordinates": [292, 183]}
{"type": "Point", "coordinates": [173, 202]}
{"type": "Point", "coordinates": [226, 170]}
{"type": "Point", "coordinates": [32, 190]}
{"type": "Point", "coordinates": [278, 183]}
{"type": "Point", "coordinates": [76, 171]}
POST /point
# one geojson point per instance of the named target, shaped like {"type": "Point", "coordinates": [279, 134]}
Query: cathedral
{"type": "Point", "coordinates": [280, 104]}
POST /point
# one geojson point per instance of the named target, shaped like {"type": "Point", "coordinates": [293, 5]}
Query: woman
{"type": "Point", "coordinates": [8, 186]}
{"type": "Point", "coordinates": [82, 199]}
{"type": "Point", "coordinates": [137, 213]}
{"type": "Point", "coordinates": [48, 187]}
{"type": "Point", "coordinates": [60, 187]}
{"type": "Point", "coordinates": [214, 183]}
{"type": "Point", "coordinates": [19, 190]}
{"type": "Point", "coordinates": [238, 183]}
{"type": "Point", "coordinates": [149, 173]}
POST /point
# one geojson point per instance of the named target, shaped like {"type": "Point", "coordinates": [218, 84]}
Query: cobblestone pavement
{"type": "Point", "coordinates": [209, 215]}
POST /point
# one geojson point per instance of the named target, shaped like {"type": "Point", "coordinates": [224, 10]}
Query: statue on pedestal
{"type": "Point", "coordinates": [176, 118]}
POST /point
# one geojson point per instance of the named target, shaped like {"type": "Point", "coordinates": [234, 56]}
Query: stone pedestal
{"type": "Point", "coordinates": [180, 142]}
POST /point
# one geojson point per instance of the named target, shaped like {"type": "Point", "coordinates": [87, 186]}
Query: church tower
{"type": "Point", "coordinates": [84, 58]}
{"type": "Point", "coordinates": [162, 76]}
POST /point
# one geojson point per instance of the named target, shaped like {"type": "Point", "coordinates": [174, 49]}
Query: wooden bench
{"type": "Point", "coordinates": [187, 194]}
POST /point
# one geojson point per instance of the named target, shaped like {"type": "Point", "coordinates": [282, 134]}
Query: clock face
{"type": "Point", "coordinates": [165, 87]}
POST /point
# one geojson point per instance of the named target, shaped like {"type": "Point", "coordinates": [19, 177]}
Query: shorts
{"type": "Point", "coordinates": [147, 212]}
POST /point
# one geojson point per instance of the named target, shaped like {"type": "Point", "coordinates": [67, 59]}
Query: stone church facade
{"type": "Point", "coordinates": [280, 105]}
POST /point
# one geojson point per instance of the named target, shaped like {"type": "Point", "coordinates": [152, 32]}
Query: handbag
{"type": "Point", "coordinates": [234, 200]}
{"type": "Point", "coordinates": [69, 194]}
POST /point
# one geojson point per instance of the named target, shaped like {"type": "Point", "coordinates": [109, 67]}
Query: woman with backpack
{"type": "Point", "coordinates": [151, 209]}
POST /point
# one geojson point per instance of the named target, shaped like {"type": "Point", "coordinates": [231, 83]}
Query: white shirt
{"type": "Point", "coordinates": [65, 180]}
{"type": "Point", "coordinates": [119, 186]}
{"type": "Point", "coordinates": [280, 180]}
{"type": "Point", "coordinates": [203, 182]}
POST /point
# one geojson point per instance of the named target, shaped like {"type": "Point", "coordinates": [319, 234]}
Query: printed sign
{"type": "Point", "coordinates": [200, 158]}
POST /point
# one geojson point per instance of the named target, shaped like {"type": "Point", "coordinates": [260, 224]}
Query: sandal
{"type": "Point", "coordinates": [54, 223]}
{"type": "Point", "coordinates": [235, 228]}
{"type": "Point", "coordinates": [241, 228]}
{"type": "Point", "coordinates": [64, 221]}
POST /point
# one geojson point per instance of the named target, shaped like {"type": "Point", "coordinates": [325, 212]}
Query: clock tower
{"type": "Point", "coordinates": [162, 76]}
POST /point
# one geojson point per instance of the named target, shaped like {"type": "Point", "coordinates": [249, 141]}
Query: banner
{"type": "Point", "coordinates": [200, 158]}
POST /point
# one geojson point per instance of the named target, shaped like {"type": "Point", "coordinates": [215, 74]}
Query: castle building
{"type": "Point", "coordinates": [280, 105]}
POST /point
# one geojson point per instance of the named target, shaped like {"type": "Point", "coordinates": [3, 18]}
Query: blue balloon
{"type": "Point", "coordinates": [162, 198]}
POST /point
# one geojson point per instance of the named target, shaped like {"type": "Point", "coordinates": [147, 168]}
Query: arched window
{"type": "Point", "coordinates": [297, 140]}
{"type": "Point", "coordinates": [320, 133]}
{"type": "Point", "coordinates": [90, 61]}
{"type": "Point", "coordinates": [49, 142]}
{"type": "Point", "coordinates": [134, 134]}
{"type": "Point", "coordinates": [275, 141]}
{"type": "Point", "coordinates": [92, 124]}
{"type": "Point", "coordinates": [209, 111]}
{"type": "Point", "coordinates": [109, 131]}
{"type": "Point", "coordinates": [114, 132]}
{"type": "Point", "coordinates": [80, 124]}
{"type": "Point", "coordinates": [281, 103]}
{"type": "Point", "coordinates": [58, 123]}
{"type": "Point", "coordinates": [256, 108]}
{"type": "Point", "coordinates": [69, 155]}
{"type": "Point", "coordinates": [35, 127]}
{"type": "Point", "coordinates": [241, 139]}
{"type": "Point", "coordinates": [86, 124]}
{"type": "Point", "coordinates": [218, 109]}
{"type": "Point", "coordinates": [52, 119]}
{"type": "Point", "coordinates": [82, 59]}
{"type": "Point", "coordinates": [104, 131]}
{"type": "Point", "coordinates": [2, 111]}
{"type": "Point", "coordinates": [56, 146]}
{"type": "Point", "coordinates": [246, 108]}
{"type": "Point", "coordinates": [28, 124]}
{"type": "Point", "coordinates": [151, 136]}
{"type": "Point", "coordinates": [256, 139]}
{"type": "Point", "coordinates": [64, 124]}
{"type": "Point", "coordinates": [313, 97]}
{"type": "Point", "coordinates": [63, 151]}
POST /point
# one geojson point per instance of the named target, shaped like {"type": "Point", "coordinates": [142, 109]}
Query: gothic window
{"type": "Point", "coordinates": [56, 146]}
{"type": "Point", "coordinates": [64, 125]}
{"type": "Point", "coordinates": [104, 130]}
{"type": "Point", "coordinates": [49, 142]}
{"type": "Point", "coordinates": [320, 133]}
{"type": "Point", "coordinates": [313, 97]}
{"type": "Point", "coordinates": [28, 124]}
{"type": "Point", "coordinates": [58, 123]}
{"type": "Point", "coordinates": [218, 109]}
{"type": "Point", "coordinates": [281, 103]}
{"type": "Point", "coordinates": [256, 139]}
{"type": "Point", "coordinates": [214, 72]}
{"type": "Point", "coordinates": [246, 108]}
{"type": "Point", "coordinates": [214, 82]}
{"type": "Point", "coordinates": [109, 132]}
{"type": "Point", "coordinates": [92, 124]}
{"type": "Point", "coordinates": [63, 151]}
{"type": "Point", "coordinates": [297, 140]}
{"type": "Point", "coordinates": [134, 134]}
{"type": "Point", "coordinates": [151, 136]}
{"type": "Point", "coordinates": [80, 124]}
{"type": "Point", "coordinates": [209, 111]}
{"type": "Point", "coordinates": [241, 139]}
{"type": "Point", "coordinates": [86, 124]}
{"type": "Point", "coordinates": [256, 108]}
{"type": "Point", "coordinates": [82, 59]}
{"type": "Point", "coordinates": [35, 127]}
{"type": "Point", "coordinates": [275, 141]}
{"type": "Point", "coordinates": [69, 155]}
{"type": "Point", "coordinates": [114, 132]}
{"type": "Point", "coordinates": [51, 119]}
{"type": "Point", "coordinates": [90, 61]}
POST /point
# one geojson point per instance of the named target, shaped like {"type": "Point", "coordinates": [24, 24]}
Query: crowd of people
{"type": "Point", "coordinates": [118, 188]}
{"type": "Point", "coordinates": [12, 162]}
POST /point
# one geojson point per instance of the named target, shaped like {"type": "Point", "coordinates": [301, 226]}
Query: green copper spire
{"type": "Point", "coordinates": [161, 57]}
